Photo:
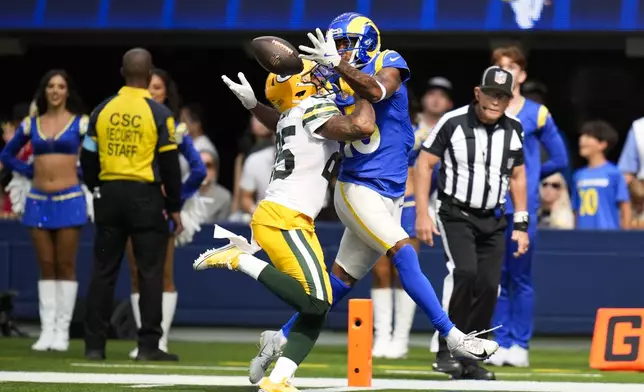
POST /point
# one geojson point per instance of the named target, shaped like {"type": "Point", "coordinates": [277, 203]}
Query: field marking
{"type": "Point", "coordinates": [145, 386]}
{"type": "Point", "coordinates": [332, 384]}
{"type": "Point", "coordinates": [168, 367]}
{"type": "Point", "coordinates": [504, 374]}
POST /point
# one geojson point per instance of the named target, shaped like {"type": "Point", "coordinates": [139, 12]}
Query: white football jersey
{"type": "Point", "coordinates": [305, 160]}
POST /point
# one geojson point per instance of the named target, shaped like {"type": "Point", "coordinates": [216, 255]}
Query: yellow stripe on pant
{"type": "Point", "coordinates": [288, 238]}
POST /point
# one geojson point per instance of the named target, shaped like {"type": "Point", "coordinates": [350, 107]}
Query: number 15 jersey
{"type": "Point", "coordinates": [305, 160]}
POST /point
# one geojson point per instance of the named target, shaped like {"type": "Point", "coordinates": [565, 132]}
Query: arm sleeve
{"type": "Point", "coordinates": [9, 158]}
{"type": "Point", "coordinates": [553, 143]}
{"type": "Point", "coordinates": [318, 112]}
{"type": "Point", "coordinates": [622, 189]}
{"type": "Point", "coordinates": [197, 168]}
{"type": "Point", "coordinates": [516, 145]}
{"type": "Point", "coordinates": [170, 171]}
{"type": "Point", "coordinates": [434, 185]}
{"type": "Point", "coordinates": [247, 181]}
{"type": "Point", "coordinates": [629, 161]}
{"type": "Point", "coordinates": [438, 139]}
{"type": "Point", "coordinates": [393, 59]}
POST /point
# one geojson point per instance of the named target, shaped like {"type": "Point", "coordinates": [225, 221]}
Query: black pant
{"type": "Point", "coordinates": [127, 209]}
{"type": "Point", "coordinates": [474, 243]}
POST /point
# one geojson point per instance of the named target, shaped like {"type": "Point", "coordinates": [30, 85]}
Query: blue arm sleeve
{"type": "Point", "coordinates": [556, 148]}
{"type": "Point", "coordinates": [622, 188]}
{"type": "Point", "coordinates": [8, 155]}
{"type": "Point", "coordinates": [434, 185]}
{"type": "Point", "coordinates": [197, 169]}
{"type": "Point", "coordinates": [629, 161]}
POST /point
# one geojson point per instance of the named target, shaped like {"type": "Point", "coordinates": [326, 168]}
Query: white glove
{"type": "Point", "coordinates": [243, 91]}
{"type": "Point", "coordinates": [323, 51]}
{"type": "Point", "coordinates": [89, 199]}
{"type": "Point", "coordinates": [18, 189]}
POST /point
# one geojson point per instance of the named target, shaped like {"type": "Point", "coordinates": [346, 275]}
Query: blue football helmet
{"type": "Point", "coordinates": [358, 35]}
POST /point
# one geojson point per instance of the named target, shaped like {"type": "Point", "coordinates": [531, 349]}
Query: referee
{"type": "Point", "coordinates": [481, 154]}
{"type": "Point", "coordinates": [128, 154]}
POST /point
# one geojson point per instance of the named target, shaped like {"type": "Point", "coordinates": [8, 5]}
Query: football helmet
{"type": "Point", "coordinates": [357, 34]}
{"type": "Point", "coordinates": [286, 92]}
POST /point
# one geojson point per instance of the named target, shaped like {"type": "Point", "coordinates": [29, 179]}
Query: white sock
{"type": "Point", "coordinates": [284, 370]}
{"type": "Point", "coordinates": [251, 265]}
{"type": "Point", "coordinates": [454, 337]}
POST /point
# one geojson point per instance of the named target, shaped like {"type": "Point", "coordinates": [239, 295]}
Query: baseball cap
{"type": "Point", "coordinates": [496, 78]}
{"type": "Point", "coordinates": [439, 82]}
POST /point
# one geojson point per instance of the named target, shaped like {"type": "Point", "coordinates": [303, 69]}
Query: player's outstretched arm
{"type": "Point", "coordinates": [374, 88]}
{"type": "Point", "coordinates": [244, 92]}
{"type": "Point", "coordinates": [359, 125]}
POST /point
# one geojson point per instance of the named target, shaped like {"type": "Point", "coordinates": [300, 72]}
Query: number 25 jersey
{"type": "Point", "coordinates": [380, 162]}
{"type": "Point", "coordinates": [305, 160]}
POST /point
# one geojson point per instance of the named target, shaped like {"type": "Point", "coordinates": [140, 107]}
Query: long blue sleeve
{"type": "Point", "coordinates": [556, 148]}
{"type": "Point", "coordinates": [434, 184]}
{"type": "Point", "coordinates": [8, 157]}
{"type": "Point", "coordinates": [197, 169]}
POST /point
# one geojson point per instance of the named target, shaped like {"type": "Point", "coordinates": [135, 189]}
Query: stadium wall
{"type": "Point", "coordinates": [575, 273]}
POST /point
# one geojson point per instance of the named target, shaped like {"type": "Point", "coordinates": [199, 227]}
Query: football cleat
{"type": "Point", "coordinates": [268, 386]}
{"type": "Point", "coordinates": [270, 348]}
{"type": "Point", "coordinates": [224, 257]}
{"type": "Point", "coordinates": [471, 347]}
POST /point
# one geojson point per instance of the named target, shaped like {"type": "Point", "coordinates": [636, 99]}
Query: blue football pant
{"type": "Point", "coordinates": [515, 305]}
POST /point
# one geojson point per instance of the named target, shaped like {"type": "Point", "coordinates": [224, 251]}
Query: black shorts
{"type": "Point", "coordinates": [132, 206]}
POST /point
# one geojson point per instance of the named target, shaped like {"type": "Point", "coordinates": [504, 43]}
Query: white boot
{"type": "Point", "coordinates": [134, 300]}
{"type": "Point", "coordinates": [382, 321]}
{"type": "Point", "coordinates": [499, 357]}
{"type": "Point", "coordinates": [65, 302]}
{"type": "Point", "coordinates": [169, 305]}
{"type": "Point", "coordinates": [47, 307]}
{"type": "Point", "coordinates": [518, 357]}
{"type": "Point", "coordinates": [404, 311]}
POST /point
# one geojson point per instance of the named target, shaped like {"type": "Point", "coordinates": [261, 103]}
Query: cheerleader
{"type": "Point", "coordinates": [55, 207]}
{"type": "Point", "coordinates": [164, 90]}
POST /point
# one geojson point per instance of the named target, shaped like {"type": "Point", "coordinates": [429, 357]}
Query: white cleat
{"type": "Point", "coordinates": [518, 357]}
{"type": "Point", "coordinates": [471, 347]}
{"type": "Point", "coordinates": [498, 359]}
{"type": "Point", "coordinates": [270, 348]}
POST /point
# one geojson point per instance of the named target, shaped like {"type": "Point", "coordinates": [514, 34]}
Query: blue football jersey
{"type": "Point", "coordinates": [538, 129]}
{"type": "Point", "coordinates": [598, 191]}
{"type": "Point", "coordinates": [380, 162]}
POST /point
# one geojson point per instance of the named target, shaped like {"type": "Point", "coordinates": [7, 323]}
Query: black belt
{"type": "Point", "coordinates": [481, 212]}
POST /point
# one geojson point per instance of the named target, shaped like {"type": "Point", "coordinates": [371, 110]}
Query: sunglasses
{"type": "Point", "coordinates": [553, 185]}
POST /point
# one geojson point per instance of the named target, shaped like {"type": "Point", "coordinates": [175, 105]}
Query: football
{"type": "Point", "coordinates": [277, 55]}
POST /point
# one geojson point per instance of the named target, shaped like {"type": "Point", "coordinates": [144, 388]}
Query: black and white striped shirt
{"type": "Point", "coordinates": [476, 159]}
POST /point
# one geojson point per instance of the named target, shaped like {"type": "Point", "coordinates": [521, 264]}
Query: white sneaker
{"type": "Point", "coordinates": [471, 347]}
{"type": "Point", "coordinates": [380, 348]}
{"type": "Point", "coordinates": [398, 349]}
{"type": "Point", "coordinates": [270, 348]}
{"type": "Point", "coordinates": [518, 357]}
{"type": "Point", "coordinates": [498, 359]}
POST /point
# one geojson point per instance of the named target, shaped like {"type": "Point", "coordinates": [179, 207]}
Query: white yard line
{"type": "Point", "coordinates": [332, 384]}
{"type": "Point", "coordinates": [504, 374]}
{"type": "Point", "coordinates": [167, 367]}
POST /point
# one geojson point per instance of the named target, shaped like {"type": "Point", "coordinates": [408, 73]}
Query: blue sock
{"type": "Point", "coordinates": [420, 289]}
{"type": "Point", "coordinates": [339, 289]}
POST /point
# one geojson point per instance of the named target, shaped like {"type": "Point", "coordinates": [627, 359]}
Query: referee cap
{"type": "Point", "coordinates": [496, 78]}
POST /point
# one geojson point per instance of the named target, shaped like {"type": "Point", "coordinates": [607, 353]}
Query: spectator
{"type": "Point", "coordinates": [556, 209]}
{"type": "Point", "coordinates": [256, 137]}
{"type": "Point", "coordinates": [256, 175]}
{"type": "Point", "coordinates": [601, 199]}
{"type": "Point", "coordinates": [192, 116]}
{"type": "Point", "coordinates": [637, 201]}
{"type": "Point", "coordinates": [219, 209]}
{"type": "Point", "coordinates": [630, 162]}
{"type": "Point", "coordinates": [535, 90]}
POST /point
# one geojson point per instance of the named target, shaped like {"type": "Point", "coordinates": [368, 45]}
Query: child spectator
{"type": "Point", "coordinates": [601, 199]}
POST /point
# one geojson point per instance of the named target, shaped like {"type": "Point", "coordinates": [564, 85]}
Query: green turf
{"type": "Point", "coordinates": [218, 359]}
{"type": "Point", "coordinates": [35, 387]}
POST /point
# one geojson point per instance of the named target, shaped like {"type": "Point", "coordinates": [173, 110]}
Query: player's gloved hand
{"type": "Point", "coordinates": [425, 229]}
{"type": "Point", "coordinates": [243, 91]}
{"type": "Point", "coordinates": [323, 51]}
{"type": "Point", "coordinates": [522, 240]}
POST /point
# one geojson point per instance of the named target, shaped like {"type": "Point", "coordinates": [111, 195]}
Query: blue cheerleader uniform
{"type": "Point", "coordinates": [57, 210]}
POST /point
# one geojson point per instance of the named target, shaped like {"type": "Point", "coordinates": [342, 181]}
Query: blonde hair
{"type": "Point", "coordinates": [561, 215]}
{"type": "Point", "coordinates": [636, 189]}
